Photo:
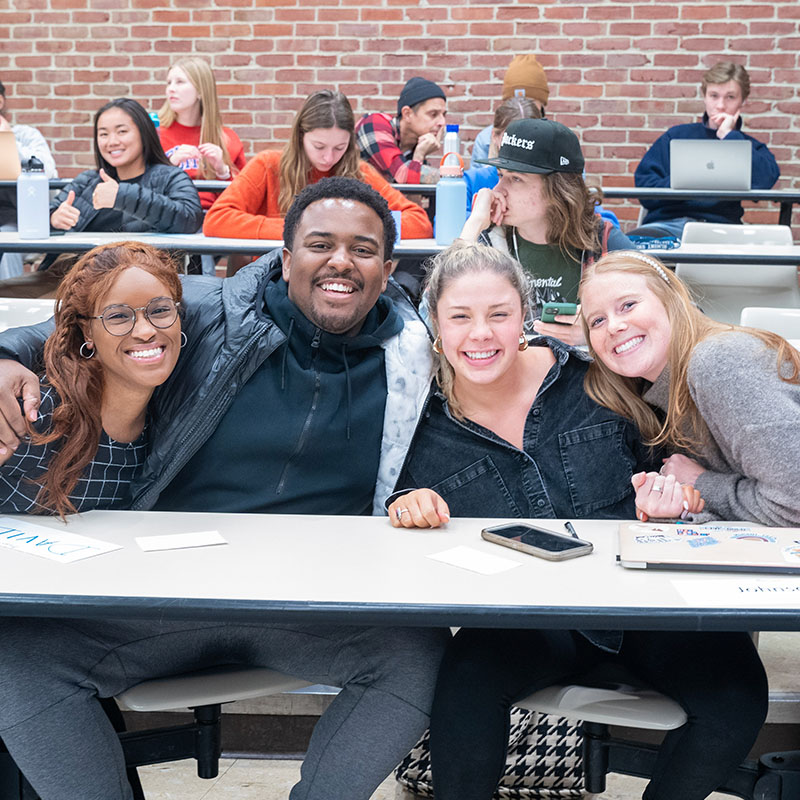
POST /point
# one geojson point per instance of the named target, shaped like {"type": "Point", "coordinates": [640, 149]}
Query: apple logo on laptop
{"type": "Point", "coordinates": [710, 165]}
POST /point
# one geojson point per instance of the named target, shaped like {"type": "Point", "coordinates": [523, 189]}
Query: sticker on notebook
{"type": "Point", "coordinates": [656, 538]}
{"type": "Point", "coordinates": [691, 532]}
{"type": "Point", "coordinates": [638, 527]}
{"type": "Point", "coordinates": [791, 553]}
{"type": "Point", "coordinates": [754, 537]}
{"type": "Point", "coordinates": [702, 541]}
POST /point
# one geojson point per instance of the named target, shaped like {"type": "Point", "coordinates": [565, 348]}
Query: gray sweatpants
{"type": "Point", "coordinates": [52, 672]}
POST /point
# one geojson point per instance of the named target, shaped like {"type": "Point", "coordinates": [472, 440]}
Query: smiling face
{"type": "Point", "coordinates": [479, 318]}
{"type": "Point", "coordinates": [181, 94]}
{"type": "Point", "coordinates": [324, 147]}
{"type": "Point", "coordinates": [119, 143]}
{"type": "Point", "coordinates": [336, 270]}
{"type": "Point", "coordinates": [145, 357]}
{"type": "Point", "coordinates": [723, 98]}
{"type": "Point", "coordinates": [628, 325]}
{"type": "Point", "coordinates": [524, 193]}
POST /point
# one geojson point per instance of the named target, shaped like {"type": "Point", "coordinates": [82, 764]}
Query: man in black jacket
{"type": "Point", "coordinates": [291, 349]}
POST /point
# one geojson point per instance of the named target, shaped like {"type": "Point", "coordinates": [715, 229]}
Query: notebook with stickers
{"type": "Point", "coordinates": [728, 547]}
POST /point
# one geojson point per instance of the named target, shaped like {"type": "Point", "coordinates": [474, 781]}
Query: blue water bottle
{"type": "Point", "coordinates": [451, 201]}
{"type": "Point", "coordinates": [154, 118]}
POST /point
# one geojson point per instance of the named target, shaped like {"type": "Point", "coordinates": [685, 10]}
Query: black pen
{"type": "Point", "coordinates": [571, 530]}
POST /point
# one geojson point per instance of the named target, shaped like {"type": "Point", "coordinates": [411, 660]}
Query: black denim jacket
{"type": "Point", "coordinates": [577, 460]}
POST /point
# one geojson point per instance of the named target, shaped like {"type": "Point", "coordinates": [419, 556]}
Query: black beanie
{"type": "Point", "coordinates": [417, 90]}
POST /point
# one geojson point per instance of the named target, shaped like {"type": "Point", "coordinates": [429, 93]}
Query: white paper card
{"type": "Point", "coordinates": [177, 541]}
{"type": "Point", "coordinates": [52, 543]}
{"type": "Point", "coordinates": [744, 592]}
{"type": "Point", "coordinates": [475, 560]}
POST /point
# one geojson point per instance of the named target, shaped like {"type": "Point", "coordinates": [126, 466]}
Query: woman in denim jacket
{"type": "Point", "coordinates": [511, 433]}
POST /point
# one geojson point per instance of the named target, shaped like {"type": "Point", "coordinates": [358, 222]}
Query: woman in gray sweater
{"type": "Point", "coordinates": [724, 399]}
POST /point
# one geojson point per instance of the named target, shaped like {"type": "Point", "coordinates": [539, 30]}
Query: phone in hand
{"type": "Point", "coordinates": [537, 542]}
{"type": "Point", "coordinates": [550, 310]}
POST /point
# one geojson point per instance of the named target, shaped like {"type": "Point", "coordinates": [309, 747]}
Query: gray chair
{"type": "Point", "coordinates": [783, 321]}
{"type": "Point", "coordinates": [723, 290]}
{"type": "Point", "coordinates": [203, 692]}
{"type": "Point", "coordinates": [16, 311]}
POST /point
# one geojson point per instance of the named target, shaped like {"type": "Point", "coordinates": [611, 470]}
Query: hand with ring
{"type": "Point", "coordinates": [419, 508]}
{"type": "Point", "coordinates": [664, 497]}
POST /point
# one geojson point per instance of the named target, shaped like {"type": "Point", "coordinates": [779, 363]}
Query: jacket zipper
{"type": "Point", "coordinates": [301, 440]}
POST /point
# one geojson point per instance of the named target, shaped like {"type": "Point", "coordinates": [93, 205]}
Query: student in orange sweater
{"type": "Point", "coordinates": [322, 145]}
{"type": "Point", "coordinates": [191, 129]}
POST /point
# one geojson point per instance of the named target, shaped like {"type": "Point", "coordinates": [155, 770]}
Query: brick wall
{"type": "Point", "coordinates": [619, 72]}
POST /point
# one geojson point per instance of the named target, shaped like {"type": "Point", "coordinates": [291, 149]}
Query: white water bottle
{"type": "Point", "coordinates": [452, 144]}
{"type": "Point", "coordinates": [33, 201]}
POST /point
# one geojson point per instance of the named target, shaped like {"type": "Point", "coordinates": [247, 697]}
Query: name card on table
{"type": "Point", "coordinates": [741, 592]}
{"type": "Point", "coordinates": [57, 545]}
{"type": "Point", "coordinates": [475, 560]}
{"type": "Point", "coordinates": [178, 541]}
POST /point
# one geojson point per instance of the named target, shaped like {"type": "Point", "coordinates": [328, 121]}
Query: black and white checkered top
{"type": "Point", "coordinates": [105, 482]}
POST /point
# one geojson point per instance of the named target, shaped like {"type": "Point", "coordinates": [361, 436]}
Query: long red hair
{"type": "Point", "coordinates": [78, 381]}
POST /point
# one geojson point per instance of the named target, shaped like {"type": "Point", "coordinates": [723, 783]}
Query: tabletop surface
{"type": "Point", "coordinates": [362, 570]}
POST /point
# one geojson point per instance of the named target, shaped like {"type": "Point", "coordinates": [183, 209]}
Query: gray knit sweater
{"type": "Point", "coordinates": [753, 458]}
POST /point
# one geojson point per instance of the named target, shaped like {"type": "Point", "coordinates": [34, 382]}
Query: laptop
{"type": "Point", "coordinates": [725, 547]}
{"type": "Point", "coordinates": [9, 157]}
{"type": "Point", "coordinates": [710, 164]}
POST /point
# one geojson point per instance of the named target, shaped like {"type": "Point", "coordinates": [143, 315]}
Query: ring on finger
{"type": "Point", "coordinates": [399, 513]}
{"type": "Point", "coordinates": [657, 488]}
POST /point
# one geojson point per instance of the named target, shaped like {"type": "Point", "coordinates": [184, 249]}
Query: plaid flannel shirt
{"type": "Point", "coordinates": [104, 484]}
{"type": "Point", "coordinates": [378, 138]}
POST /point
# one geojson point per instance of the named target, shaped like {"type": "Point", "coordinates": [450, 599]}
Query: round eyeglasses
{"type": "Point", "coordinates": [120, 319]}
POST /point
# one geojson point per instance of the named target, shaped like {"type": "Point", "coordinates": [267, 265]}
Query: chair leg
{"type": "Point", "coordinates": [209, 740]}
{"type": "Point", "coordinates": [779, 776]}
{"type": "Point", "coordinates": [200, 740]}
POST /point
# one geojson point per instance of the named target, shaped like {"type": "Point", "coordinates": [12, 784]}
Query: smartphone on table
{"type": "Point", "coordinates": [537, 542]}
{"type": "Point", "coordinates": [550, 310]}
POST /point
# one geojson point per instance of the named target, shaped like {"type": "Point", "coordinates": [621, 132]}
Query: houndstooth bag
{"type": "Point", "coordinates": [544, 760]}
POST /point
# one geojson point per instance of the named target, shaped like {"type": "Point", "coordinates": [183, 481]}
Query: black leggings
{"type": "Point", "coordinates": [717, 678]}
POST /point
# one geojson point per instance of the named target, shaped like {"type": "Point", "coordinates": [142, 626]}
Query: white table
{"type": "Point", "coordinates": [71, 242]}
{"type": "Point", "coordinates": [356, 570]}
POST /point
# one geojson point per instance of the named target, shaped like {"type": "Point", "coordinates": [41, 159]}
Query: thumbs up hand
{"type": "Point", "coordinates": [105, 193]}
{"type": "Point", "coordinates": [66, 215]}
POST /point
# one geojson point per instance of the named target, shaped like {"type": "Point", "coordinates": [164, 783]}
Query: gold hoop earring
{"type": "Point", "coordinates": [523, 341]}
{"type": "Point", "coordinates": [437, 345]}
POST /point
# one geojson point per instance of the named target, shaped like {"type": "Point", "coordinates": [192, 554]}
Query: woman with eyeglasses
{"type": "Point", "coordinates": [117, 337]}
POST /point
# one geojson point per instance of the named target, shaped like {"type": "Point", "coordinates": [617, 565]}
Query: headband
{"type": "Point", "coordinates": [652, 263]}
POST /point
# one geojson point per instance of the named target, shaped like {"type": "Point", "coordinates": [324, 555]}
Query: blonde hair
{"type": "Point", "coordinates": [683, 428]}
{"type": "Point", "coordinates": [200, 75]}
{"type": "Point", "coordinates": [463, 258]}
{"type": "Point", "coordinates": [725, 71]}
{"type": "Point", "coordinates": [322, 109]}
